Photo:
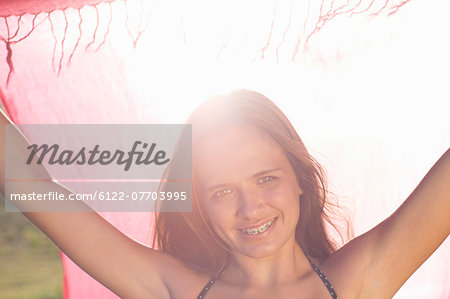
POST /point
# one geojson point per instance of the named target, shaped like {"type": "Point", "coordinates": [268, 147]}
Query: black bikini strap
{"type": "Point", "coordinates": [209, 285]}
{"type": "Point", "coordinates": [324, 279]}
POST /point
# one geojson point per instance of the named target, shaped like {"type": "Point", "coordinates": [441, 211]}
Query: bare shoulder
{"type": "Point", "coordinates": [346, 268]}
{"type": "Point", "coordinates": [179, 280]}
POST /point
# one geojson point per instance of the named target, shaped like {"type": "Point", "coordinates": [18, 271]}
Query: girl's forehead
{"type": "Point", "coordinates": [237, 152]}
{"type": "Point", "coordinates": [233, 142]}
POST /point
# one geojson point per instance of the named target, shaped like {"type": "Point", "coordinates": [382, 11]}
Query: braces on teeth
{"type": "Point", "coordinates": [258, 230]}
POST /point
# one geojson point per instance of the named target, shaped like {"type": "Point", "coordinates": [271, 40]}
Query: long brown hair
{"type": "Point", "coordinates": [189, 237]}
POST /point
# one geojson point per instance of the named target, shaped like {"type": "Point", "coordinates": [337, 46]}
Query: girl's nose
{"type": "Point", "coordinates": [250, 204]}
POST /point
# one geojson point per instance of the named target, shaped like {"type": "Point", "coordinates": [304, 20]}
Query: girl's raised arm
{"type": "Point", "coordinates": [382, 259]}
{"type": "Point", "coordinates": [128, 268]}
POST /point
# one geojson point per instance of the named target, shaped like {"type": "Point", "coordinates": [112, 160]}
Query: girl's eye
{"type": "Point", "coordinates": [222, 193]}
{"type": "Point", "coordinates": [265, 179]}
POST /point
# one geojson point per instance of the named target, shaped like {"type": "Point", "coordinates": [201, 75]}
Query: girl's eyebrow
{"type": "Point", "coordinates": [215, 187]}
{"type": "Point", "coordinates": [258, 174]}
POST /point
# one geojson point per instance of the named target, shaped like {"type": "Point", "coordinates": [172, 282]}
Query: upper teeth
{"type": "Point", "coordinates": [258, 230]}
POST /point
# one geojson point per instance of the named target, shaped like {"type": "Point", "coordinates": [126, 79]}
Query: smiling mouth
{"type": "Point", "coordinates": [258, 230]}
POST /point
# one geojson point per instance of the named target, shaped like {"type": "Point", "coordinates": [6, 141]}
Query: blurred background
{"type": "Point", "coordinates": [30, 264]}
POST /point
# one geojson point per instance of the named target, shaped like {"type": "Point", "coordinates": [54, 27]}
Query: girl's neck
{"type": "Point", "coordinates": [287, 265]}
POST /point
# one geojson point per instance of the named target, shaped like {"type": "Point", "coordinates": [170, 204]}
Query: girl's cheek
{"type": "Point", "coordinates": [219, 210]}
{"type": "Point", "coordinates": [273, 193]}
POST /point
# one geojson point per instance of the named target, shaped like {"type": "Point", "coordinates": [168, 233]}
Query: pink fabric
{"type": "Point", "coordinates": [86, 94]}
{"type": "Point", "coordinates": [21, 7]}
{"type": "Point", "coordinates": [365, 97]}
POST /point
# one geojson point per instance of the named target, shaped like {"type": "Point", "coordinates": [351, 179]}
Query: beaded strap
{"type": "Point", "coordinates": [209, 285]}
{"type": "Point", "coordinates": [324, 279]}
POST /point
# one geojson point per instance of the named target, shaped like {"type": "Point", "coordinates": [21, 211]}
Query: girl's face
{"type": "Point", "coordinates": [249, 191]}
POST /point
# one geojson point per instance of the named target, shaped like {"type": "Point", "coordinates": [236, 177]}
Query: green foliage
{"type": "Point", "coordinates": [30, 265]}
